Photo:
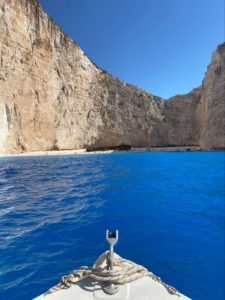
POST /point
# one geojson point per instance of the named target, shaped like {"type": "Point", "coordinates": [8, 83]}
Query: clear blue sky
{"type": "Point", "coordinates": [162, 46]}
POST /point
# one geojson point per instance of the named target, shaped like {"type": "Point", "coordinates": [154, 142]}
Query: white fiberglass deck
{"type": "Point", "coordinates": [147, 287]}
{"type": "Point", "coordinates": [141, 289]}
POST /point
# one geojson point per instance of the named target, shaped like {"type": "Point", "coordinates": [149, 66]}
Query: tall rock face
{"type": "Point", "coordinates": [212, 107]}
{"type": "Point", "coordinates": [53, 97]}
{"type": "Point", "coordinates": [181, 124]}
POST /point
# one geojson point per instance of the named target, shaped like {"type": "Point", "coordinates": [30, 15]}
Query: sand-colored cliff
{"type": "Point", "coordinates": [53, 97]}
{"type": "Point", "coordinates": [211, 111]}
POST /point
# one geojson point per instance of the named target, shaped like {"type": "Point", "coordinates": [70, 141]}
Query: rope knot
{"type": "Point", "coordinates": [124, 271]}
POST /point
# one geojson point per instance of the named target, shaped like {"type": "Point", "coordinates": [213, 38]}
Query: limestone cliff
{"type": "Point", "coordinates": [181, 124]}
{"type": "Point", "coordinates": [53, 97]}
{"type": "Point", "coordinates": [212, 106]}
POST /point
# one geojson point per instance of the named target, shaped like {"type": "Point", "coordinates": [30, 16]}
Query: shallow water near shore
{"type": "Point", "coordinates": [168, 207]}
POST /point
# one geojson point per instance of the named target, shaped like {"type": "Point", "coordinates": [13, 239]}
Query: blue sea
{"type": "Point", "coordinates": [168, 207]}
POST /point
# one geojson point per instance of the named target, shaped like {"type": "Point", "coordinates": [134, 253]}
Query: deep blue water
{"type": "Point", "coordinates": [168, 207]}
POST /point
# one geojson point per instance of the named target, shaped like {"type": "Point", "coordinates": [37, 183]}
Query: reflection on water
{"type": "Point", "coordinates": [169, 208]}
{"type": "Point", "coordinates": [35, 194]}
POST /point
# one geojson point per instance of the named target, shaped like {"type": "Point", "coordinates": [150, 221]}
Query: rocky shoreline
{"type": "Point", "coordinates": [53, 97]}
{"type": "Point", "coordinates": [133, 149]}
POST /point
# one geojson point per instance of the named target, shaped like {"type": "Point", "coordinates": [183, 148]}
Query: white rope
{"type": "Point", "coordinates": [124, 271]}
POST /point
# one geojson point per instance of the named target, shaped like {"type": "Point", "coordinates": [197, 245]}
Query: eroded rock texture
{"type": "Point", "coordinates": [212, 107]}
{"type": "Point", "coordinates": [53, 97]}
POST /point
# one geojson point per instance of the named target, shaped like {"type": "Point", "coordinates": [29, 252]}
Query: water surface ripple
{"type": "Point", "coordinates": [169, 208]}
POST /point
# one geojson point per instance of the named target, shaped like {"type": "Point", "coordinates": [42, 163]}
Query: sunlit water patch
{"type": "Point", "coordinates": [169, 208]}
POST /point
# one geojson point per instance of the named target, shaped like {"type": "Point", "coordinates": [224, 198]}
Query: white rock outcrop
{"type": "Point", "coordinates": [53, 97]}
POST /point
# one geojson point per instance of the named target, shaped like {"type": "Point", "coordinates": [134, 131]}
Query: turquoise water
{"type": "Point", "coordinates": [169, 208]}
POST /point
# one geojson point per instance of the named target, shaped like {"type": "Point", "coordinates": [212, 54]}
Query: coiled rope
{"type": "Point", "coordinates": [124, 271]}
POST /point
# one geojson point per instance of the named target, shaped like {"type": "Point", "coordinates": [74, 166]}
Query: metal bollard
{"type": "Point", "coordinates": [112, 239]}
